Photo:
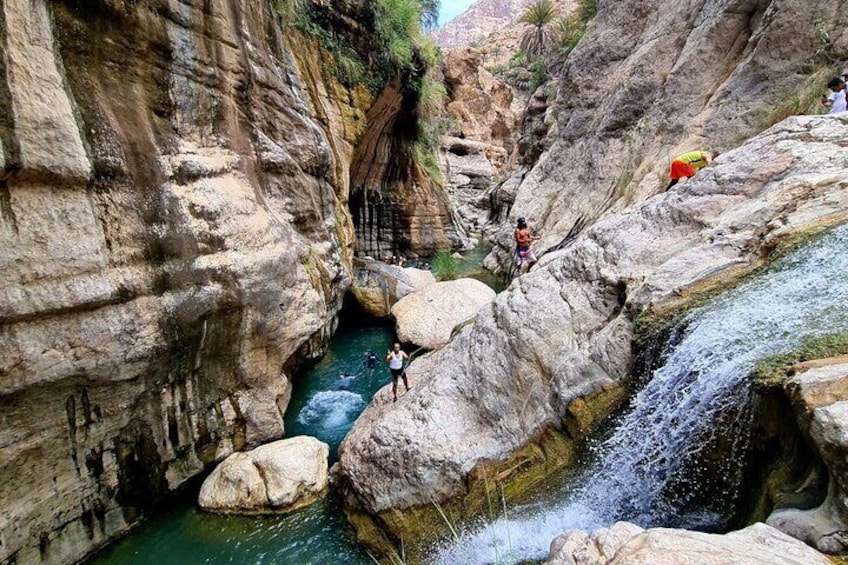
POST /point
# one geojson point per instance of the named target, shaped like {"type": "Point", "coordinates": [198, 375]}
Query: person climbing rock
{"type": "Point", "coordinates": [686, 165]}
{"type": "Point", "coordinates": [836, 100]}
{"type": "Point", "coordinates": [523, 238]}
{"type": "Point", "coordinates": [396, 358]}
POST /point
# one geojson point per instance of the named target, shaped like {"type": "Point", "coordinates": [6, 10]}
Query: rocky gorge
{"type": "Point", "coordinates": [186, 185]}
{"type": "Point", "coordinates": [177, 242]}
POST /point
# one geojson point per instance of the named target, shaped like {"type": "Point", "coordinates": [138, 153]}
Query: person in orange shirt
{"type": "Point", "coordinates": [686, 165]}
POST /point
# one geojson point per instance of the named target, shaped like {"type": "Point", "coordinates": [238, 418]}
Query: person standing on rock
{"type": "Point", "coordinates": [686, 165]}
{"type": "Point", "coordinates": [836, 101]}
{"type": "Point", "coordinates": [396, 358]}
{"type": "Point", "coordinates": [523, 238]}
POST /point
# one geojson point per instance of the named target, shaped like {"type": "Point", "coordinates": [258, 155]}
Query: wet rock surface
{"type": "Point", "coordinates": [563, 333]}
{"type": "Point", "coordinates": [627, 544]}
{"type": "Point", "coordinates": [820, 397]}
{"type": "Point", "coordinates": [277, 477]}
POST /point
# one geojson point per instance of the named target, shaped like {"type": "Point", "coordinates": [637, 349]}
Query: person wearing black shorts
{"type": "Point", "coordinates": [396, 358]}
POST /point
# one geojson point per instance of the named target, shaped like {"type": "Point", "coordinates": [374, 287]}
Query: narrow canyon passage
{"type": "Point", "coordinates": [324, 404]}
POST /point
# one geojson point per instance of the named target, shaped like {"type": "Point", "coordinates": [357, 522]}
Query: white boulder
{"type": "Point", "coordinates": [428, 317]}
{"type": "Point", "coordinates": [276, 477]}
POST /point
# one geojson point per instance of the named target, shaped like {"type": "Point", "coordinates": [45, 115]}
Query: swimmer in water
{"type": "Point", "coordinates": [370, 359]}
{"type": "Point", "coordinates": [345, 378]}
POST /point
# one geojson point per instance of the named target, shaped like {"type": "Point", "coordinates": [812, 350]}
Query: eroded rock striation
{"type": "Point", "coordinates": [280, 476]}
{"type": "Point", "coordinates": [820, 398]}
{"type": "Point", "coordinates": [650, 80]}
{"type": "Point", "coordinates": [175, 240]}
{"type": "Point", "coordinates": [550, 356]}
{"type": "Point", "coordinates": [624, 544]}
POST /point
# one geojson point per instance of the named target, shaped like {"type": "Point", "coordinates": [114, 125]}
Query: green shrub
{"type": "Point", "coordinates": [290, 10]}
{"type": "Point", "coordinates": [537, 39]}
{"type": "Point", "coordinates": [806, 99]}
{"type": "Point", "coordinates": [568, 32]}
{"type": "Point", "coordinates": [538, 74]}
{"type": "Point", "coordinates": [445, 267]}
{"type": "Point", "coordinates": [587, 10]}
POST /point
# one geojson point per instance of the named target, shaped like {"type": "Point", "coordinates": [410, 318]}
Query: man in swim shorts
{"type": "Point", "coordinates": [523, 238]}
{"type": "Point", "coordinates": [396, 358]}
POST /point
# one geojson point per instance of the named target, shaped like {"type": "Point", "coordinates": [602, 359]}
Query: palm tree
{"type": "Point", "coordinates": [537, 39]}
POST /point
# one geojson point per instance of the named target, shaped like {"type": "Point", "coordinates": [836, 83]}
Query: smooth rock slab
{"type": "Point", "coordinates": [378, 286]}
{"type": "Point", "coordinates": [278, 477]}
{"type": "Point", "coordinates": [627, 544]}
{"type": "Point", "coordinates": [428, 317]}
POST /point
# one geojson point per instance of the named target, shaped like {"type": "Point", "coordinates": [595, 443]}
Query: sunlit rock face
{"type": "Point", "coordinates": [559, 338]}
{"type": "Point", "coordinates": [651, 80]}
{"type": "Point", "coordinates": [175, 237]}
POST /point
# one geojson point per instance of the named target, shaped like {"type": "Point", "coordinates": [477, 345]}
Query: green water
{"type": "Point", "coordinates": [471, 266]}
{"type": "Point", "coordinates": [324, 404]}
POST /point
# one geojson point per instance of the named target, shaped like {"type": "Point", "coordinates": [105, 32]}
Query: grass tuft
{"type": "Point", "coordinates": [445, 267]}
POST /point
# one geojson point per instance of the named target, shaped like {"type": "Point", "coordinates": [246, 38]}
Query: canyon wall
{"type": "Point", "coordinates": [651, 80]}
{"type": "Point", "coordinates": [509, 397]}
{"type": "Point", "coordinates": [176, 241]}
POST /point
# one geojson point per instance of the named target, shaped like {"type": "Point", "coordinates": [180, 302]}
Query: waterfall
{"type": "Point", "coordinates": [659, 466]}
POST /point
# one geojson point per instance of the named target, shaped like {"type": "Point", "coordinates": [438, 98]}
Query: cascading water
{"type": "Point", "coordinates": [659, 466]}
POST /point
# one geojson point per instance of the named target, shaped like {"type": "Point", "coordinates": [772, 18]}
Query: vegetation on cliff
{"type": "Point", "coordinates": [395, 48]}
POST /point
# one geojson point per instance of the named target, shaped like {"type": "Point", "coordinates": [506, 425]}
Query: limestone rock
{"type": "Point", "coordinates": [642, 87]}
{"type": "Point", "coordinates": [627, 544]}
{"type": "Point", "coordinates": [428, 317]}
{"type": "Point", "coordinates": [276, 477]}
{"type": "Point", "coordinates": [563, 332]}
{"type": "Point", "coordinates": [480, 103]}
{"type": "Point", "coordinates": [174, 237]}
{"type": "Point", "coordinates": [820, 395]}
{"type": "Point", "coordinates": [378, 286]}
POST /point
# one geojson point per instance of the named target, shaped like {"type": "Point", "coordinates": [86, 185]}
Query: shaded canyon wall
{"type": "Point", "coordinates": [176, 239]}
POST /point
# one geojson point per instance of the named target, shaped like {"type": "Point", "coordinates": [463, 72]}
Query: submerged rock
{"type": "Point", "coordinates": [378, 286]}
{"type": "Point", "coordinates": [627, 544]}
{"type": "Point", "coordinates": [820, 396]}
{"type": "Point", "coordinates": [277, 477]}
{"type": "Point", "coordinates": [428, 317]}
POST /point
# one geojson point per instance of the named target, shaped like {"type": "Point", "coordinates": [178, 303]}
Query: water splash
{"type": "Point", "coordinates": [659, 467]}
{"type": "Point", "coordinates": [331, 409]}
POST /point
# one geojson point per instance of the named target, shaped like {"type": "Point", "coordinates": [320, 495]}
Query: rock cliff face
{"type": "Point", "coordinates": [551, 355]}
{"type": "Point", "coordinates": [175, 238]}
{"type": "Point", "coordinates": [476, 150]}
{"type": "Point", "coordinates": [476, 23]}
{"type": "Point", "coordinates": [653, 79]}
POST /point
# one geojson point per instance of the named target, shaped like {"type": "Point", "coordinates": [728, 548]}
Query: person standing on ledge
{"type": "Point", "coordinates": [523, 238]}
{"type": "Point", "coordinates": [685, 166]}
{"type": "Point", "coordinates": [836, 100]}
{"type": "Point", "coordinates": [396, 358]}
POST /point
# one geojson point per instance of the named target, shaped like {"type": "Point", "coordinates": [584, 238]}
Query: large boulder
{"type": "Point", "coordinates": [627, 544]}
{"type": "Point", "coordinates": [378, 286]}
{"type": "Point", "coordinates": [276, 477]}
{"type": "Point", "coordinates": [428, 317]}
{"type": "Point", "coordinates": [820, 396]}
{"type": "Point", "coordinates": [553, 352]}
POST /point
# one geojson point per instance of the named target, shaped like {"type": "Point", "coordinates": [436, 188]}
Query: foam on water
{"type": "Point", "coordinates": [331, 409]}
{"type": "Point", "coordinates": [658, 468]}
